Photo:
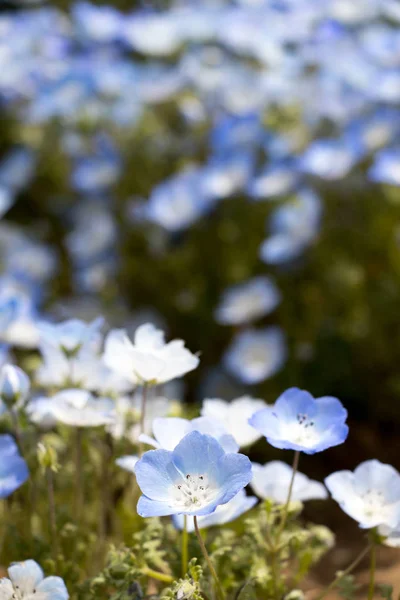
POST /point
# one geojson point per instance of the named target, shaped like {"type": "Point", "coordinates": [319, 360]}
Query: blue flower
{"type": "Point", "coordinates": [26, 580]}
{"type": "Point", "coordinates": [386, 168]}
{"type": "Point", "coordinates": [225, 513]}
{"type": "Point", "coordinates": [329, 159]}
{"type": "Point", "coordinates": [193, 479]}
{"type": "Point", "coordinates": [13, 469]}
{"type": "Point", "coordinates": [298, 421]}
{"type": "Point", "coordinates": [247, 301]}
{"type": "Point", "coordinates": [256, 355]}
{"type": "Point", "coordinates": [8, 310]}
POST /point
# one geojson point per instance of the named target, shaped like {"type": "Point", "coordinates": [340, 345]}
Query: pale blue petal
{"type": "Point", "coordinates": [155, 473]}
{"type": "Point", "coordinates": [235, 473]}
{"type": "Point", "coordinates": [197, 453]}
{"type": "Point", "coordinates": [293, 402]}
{"type": "Point", "coordinates": [266, 421]}
{"type": "Point", "coordinates": [330, 410]}
{"type": "Point", "coordinates": [26, 575]}
{"type": "Point", "coordinates": [155, 508]}
{"type": "Point", "coordinates": [52, 588]}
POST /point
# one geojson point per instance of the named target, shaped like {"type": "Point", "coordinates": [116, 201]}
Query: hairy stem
{"type": "Point", "coordinates": [185, 540]}
{"type": "Point", "coordinates": [52, 513]}
{"type": "Point", "coordinates": [372, 567]}
{"type": "Point", "coordinates": [79, 492]}
{"type": "Point", "coordinates": [218, 586]}
{"type": "Point", "coordinates": [157, 575]}
{"type": "Point", "coordinates": [342, 574]}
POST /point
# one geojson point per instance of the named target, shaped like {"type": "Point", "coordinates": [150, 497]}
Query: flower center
{"type": "Point", "coordinates": [194, 491]}
{"type": "Point", "coordinates": [304, 433]}
{"type": "Point", "coordinates": [374, 502]}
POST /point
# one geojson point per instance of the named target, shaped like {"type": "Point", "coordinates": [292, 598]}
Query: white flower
{"type": "Point", "coordinates": [127, 462]}
{"type": "Point", "coordinates": [234, 415]}
{"type": "Point", "coordinates": [70, 336]}
{"type": "Point", "coordinates": [170, 431]}
{"type": "Point", "coordinates": [14, 385]}
{"type": "Point", "coordinates": [224, 513]}
{"type": "Point", "coordinates": [128, 412]}
{"type": "Point", "coordinates": [272, 481]}
{"type": "Point", "coordinates": [370, 495]}
{"type": "Point", "coordinates": [80, 409]}
{"type": "Point", "coordinates": [148, 359]}
{"type": "Point", "coordinates": [27, 582]}
{"type": "Point", "coordinates": [40, 412]}
{"type": "Point", "coordinates": [247, 301]}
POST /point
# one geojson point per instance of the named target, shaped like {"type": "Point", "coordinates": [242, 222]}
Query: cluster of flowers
{"type": "Point", "coordinates": [196, 472]}
{"type": "Point", "coordinates": [224, 75]}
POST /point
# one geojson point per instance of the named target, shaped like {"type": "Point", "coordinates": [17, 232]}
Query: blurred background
{"type": "Point", "coordinates": [226, 169]}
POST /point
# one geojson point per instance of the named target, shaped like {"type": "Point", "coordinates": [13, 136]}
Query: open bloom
{"type": "Point", "coordinates": [80, 409]}
{"type": "Point", "coordinates": [272, 480]}
{"type": "Point", "coordinates": [370, 495]}
{"type": "Point", "coordinates": [248, 301]}
{"type": "Point", "coordinates": [298, 421]}
{"type": "Point", "coordinates": [70, 336]}
{"type": "Point", "coordinates": [13, 469]}
{"type": "Point", "coordinates": [235, 415]}
{"type": "Point", "coordinates": [27, 582]}
{"type": "Point", "coordinates": [256, 354]}
{"type": "Point", "coordinates": [193, 479]}
{"type": "Point", "coordinates": [148, 359]}
{"type": "Point", "coordinates": [168, 432]}
{"type": "Point", "coordinates": [225, 513]}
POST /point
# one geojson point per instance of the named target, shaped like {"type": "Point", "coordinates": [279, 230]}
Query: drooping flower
{"type": "Point", "coordinates": [80, 408]}
{"type": "Point", "coordinates": [27, 582]}
{"type": "Point", "coordinates": [225, 513]}
{"type": "Point", "coordinates": [168, 432]}
{"type": "Point", "coordinates": [148, 359]}
{"type": "Point", "coordinates": [14, 385]}
{"type": "Point", "coordinates": [370, 494]}
{"type": "Point", "coordinates": [298, 421]}
{"type": "Point", "coordinates": [256, 354]}
{"type": "Point", "coordinates": [248, 301]}
{"type": "Point", "coordinates": [235, 415]}
{"type": "Point", "coordinates": [193, 479]}
{"type": "Point", "coordinates": [272, 480]}
{"type": "Point", "coordinates": [13, 469]}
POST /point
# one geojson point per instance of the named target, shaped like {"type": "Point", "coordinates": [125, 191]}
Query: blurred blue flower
{"type": "Point", "coordinates": [153, 33]}
{"type": "Point", "coordinates": [26, 580]}
{"type": "Point", "coordinates": [272, 480]}
{"type": "Point", "coordinates": [224, 513]}
{"type": "Point", "coordinates": [370, 495]}
{"type": "Point", "coordinates": [70, 336]}
{"type": "Point", "coordinates": [13, 469]}
{"type": "Point", "coordinates": [386, 167]}
{"type": "Point", "coordinates": [294, 226]}
{"type": "Point", "coordinates": [8, 312]}
{"type": "Point", "coordinates": [193, 479]}
{"type": "Point", "coordinates": [79, 408]}
{"type": "Point", "coordinates": [328, 159]}
{"type": "Point", "coordinates": [248, 301]}
{"type": "Point", "coordinates": [256, 354]}
{"type": "Point", "coordinates": [102, 24]}
{"type": "Point", "coordinates": [178, 202]}
{"type": "Point", "coordinates": [275, 180]}
{"type": "Point", "coordinates": [168, 432]}
{"type": "Point", "coordinates": [298, 421]}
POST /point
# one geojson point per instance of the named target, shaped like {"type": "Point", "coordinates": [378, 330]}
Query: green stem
{"type": "Point", "coordinates": [79, 492]}
{"type": "Point", "coordinates": [185, 541]}
{"type": "Point", "coordinates": [52, 513]}
{"type": "Point", "coordinates": [218, 586]}
{"type": "Point", "coordinates": [157, 575]}
{"type": "Point", "coordinates": [342, 574]}
{"type": "Point", "coordinates": [143, 414]}
{"type": "Point", "coordinates": [372, 568]}
{"type": "Point", "coordinates": [295, 466]}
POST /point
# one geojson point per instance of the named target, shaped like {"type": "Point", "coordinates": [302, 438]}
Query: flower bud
{"type": "Point", "coordinates": [14, 385]}
{"type": "Point", "coordinates": [47, 457]}
{"type": "Point", "coordinates": [295, 595]}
